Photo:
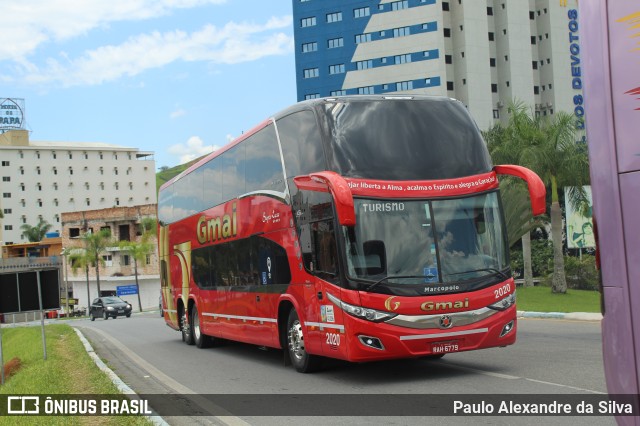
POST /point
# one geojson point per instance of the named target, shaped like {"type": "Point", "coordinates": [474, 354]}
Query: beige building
{"type": "Point", "coordinates": [40, 180]}
{"type": "Point", "coordinates": [117, 274]}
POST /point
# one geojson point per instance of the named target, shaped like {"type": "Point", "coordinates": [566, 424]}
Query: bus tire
{"type": "Point", "coordinates": [301, 360]}
{"type": "Point", "coordinates": [201, 340]}
{"type": "Point", "coordinates": [187, 335]}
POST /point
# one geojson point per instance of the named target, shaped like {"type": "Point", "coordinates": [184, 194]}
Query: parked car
{"type": "Point", "coordinates": [109, 306]}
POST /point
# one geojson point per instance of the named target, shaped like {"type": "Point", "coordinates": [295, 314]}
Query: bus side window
{"type": "Point", "coordinates": [324, 247]}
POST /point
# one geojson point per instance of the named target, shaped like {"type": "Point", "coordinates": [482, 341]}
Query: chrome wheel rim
{"type": "Point", "coordinates": [196, 324]}
{"type": "Point", "coordinates": [296, 340]}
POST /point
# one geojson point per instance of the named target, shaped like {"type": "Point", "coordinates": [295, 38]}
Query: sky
{"type": "Point", "coordinates": [176, 77]}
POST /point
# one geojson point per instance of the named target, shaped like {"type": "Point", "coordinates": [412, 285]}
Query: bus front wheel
{"type": "Point", "coordinates": [301, 360]}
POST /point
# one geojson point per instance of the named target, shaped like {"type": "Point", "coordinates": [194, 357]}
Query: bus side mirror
{"type": "Point", "coordinates": [537, 191]}
{"type": "Point", "coordinates": [331, 182]}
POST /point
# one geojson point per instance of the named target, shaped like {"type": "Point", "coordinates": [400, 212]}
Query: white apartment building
{"type": "Point", "coordinates": [484, 53]}
{"type": "Point", "coordinates": [44, 179]}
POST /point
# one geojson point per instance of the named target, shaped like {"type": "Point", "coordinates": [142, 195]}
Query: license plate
{"type": "Point", "coordinates": [121, 311]}
{"type": "Point", "coordinates": [445, 347]}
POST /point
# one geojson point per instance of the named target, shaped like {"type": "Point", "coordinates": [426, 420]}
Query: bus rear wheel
{"type": "Point", "coordinates": [201, 339]}
{"type": "Point", "coordinates": [185, 327]}
{"type": "Point", "coordinates": [301, 360]}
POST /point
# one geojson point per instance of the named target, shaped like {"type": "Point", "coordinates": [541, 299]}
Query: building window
{"type": "Point", "coordinates": [401, 32]}
{"type": "Point", "coordinates": [489, 11]}
{"type": "Point", "coordinates": [496, 114]}
{"type": "Point", "coordinates": [148, 259]}
{"type": "Point", "coordinates": [334, 17]}
{"type": "Point", "coordinates": [39, 186]}
{"type": "Point", "coordinates": [86, 156]}
{"type": "Point", "coordinates": [363, 38]}
{"type": "Point", "coordinates": [38, 170]}
{"type": "Point", "coordinates": [445, 6]}
{"type": "Point", "coordinates": [365, 90]}
{"type": "Point", "coordinates": [448, 59]}
{"type": "Point", "coordinates": [55, 202]}
{"type": "Point", "coordinates": [6, 178]}
{"type": "Point", "coordinates": [532, 15]}
{"type": "Point", "coordinates": [404, 85]}
{"type": "Point", "coordinates": [54, 155]}
{"type": "Point", "coordinates": [125, 259]}
{"type": "Point", "coordinates": [548, 60]}
{"type": "Point", "coordinates": [117, 185]}
{"type": "Point", "coordinates": [449, 85]}
{"type": "Point", "coordinates": [533, 39]}
{"type": "Point", "coordinates": [55, 186]}
{"type": "Point", "coordinates": [310, 73]}
{"type": "Point", "coordinates": [108, 260]}
{"type": "Point", "coordinates": [507, 83]}
{"type": "Point", "coordinates": [550, 86]}
{"type": "Point", "coordinates": [506, 58]}
{"type": "Point", "coordinates": [6, 195]}
{"type": "Point", "coordinates": [504, 32]}
{"type": "Point", "coordinates": [399, 5]}
{"type": "Point", "coordinates": [100, 155]}
{"type": "Point", "coordinates": [308, 22]}
{"type": "Point", "coordinates": [363, 65]}
{"type": "Point", "coordinates": [312, 96]}
{"type": "Point", "coordinates": [115, 170]}
{"type": "Point", "coordinates": [447, 32]}
{"type": "Point", "coordinates": [88, 202]}
{"type": "Point", "coordinates": [536, 90]}
{"type": "Point", "coordinates": [335, 42]}
{"type": "Point", "coordinates": [361, 12]}
{"type": "Point", "coordinates": [338, 93]}
{"type": "Point", "coordinates": [336, 69]}
{"type": "Point", "coordinates": [39, 202]}
{"type": "Point", "coordinates": [8, 227]}
{"type": "Point", "coordinates": [5, 163]}
{"type": "Point", "coordinates": [309, 47]}
{"type": "Point", "coordinates": [491, 36]}
{"type": "Point", "coordinates": [70, 170]}
{"type": "Point", "coordinates": [402, 59]}
{"type": "Point", "coordinates": [117, 201]}
{"type": "Point", "coordinates": [70, 156]}
{"type": "Point", "coordinates": [7, 211]}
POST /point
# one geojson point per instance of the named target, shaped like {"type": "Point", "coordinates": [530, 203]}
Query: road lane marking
{"type": "Point", "coordinates": [510, 377]}
{"type": "Point", "coordinates": [176, 386]}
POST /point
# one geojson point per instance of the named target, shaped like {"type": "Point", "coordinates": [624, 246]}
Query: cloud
{"type": "Point", "coordinates": [36, 22]}
{"type": "Point", "coordinates": [177, 113]}
{"type": "Point", "coordinates": [231, 44]}
{"type": "Point", "coordinates": [192, 149]}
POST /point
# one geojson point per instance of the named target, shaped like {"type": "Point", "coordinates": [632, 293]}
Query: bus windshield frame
{"type": "Point", "coordinates": [424, 243]}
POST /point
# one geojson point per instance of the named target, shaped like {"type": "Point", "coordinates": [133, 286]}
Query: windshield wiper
{"type": "Point", "coordinates": [393, 277]}
{"type": "Point", "coordinates": [495, 271]}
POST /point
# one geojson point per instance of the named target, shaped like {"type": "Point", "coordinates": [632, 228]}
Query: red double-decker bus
{"type": "Point", "coordinates": [360, 228]}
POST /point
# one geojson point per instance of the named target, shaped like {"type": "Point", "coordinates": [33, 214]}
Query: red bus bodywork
{"type": "Point", "coordinates": [424, 325]}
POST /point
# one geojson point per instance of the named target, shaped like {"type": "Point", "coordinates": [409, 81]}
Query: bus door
{"type": "Point", "coordinates": [324, 320]}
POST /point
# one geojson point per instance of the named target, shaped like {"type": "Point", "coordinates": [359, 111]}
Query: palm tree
{"type": "Point", "coordinates": [94, 245]}
{"type": "Point", "coordinates": [36, 233]}
{"type": "Point", "coordinates": [548, 146]}
{"type": "Point", "coordinates": [139, 250]}
{"type": "Point", "coordinates": [77, 258]}
{"type": "Point", "coordinates": [517, 207]}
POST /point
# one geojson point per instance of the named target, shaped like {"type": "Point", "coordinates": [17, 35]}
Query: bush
{"type": "Point", "coordinates": [581, 273]}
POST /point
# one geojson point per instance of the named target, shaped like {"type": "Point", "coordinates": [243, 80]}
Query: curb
{"type": "Point", "coordinates": [576, 316]}
{"type": "Point", "coordinates": [117, 381]}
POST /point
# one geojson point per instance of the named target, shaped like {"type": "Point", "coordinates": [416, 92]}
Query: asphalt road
{"type": "Point", "coordinates": [551, 357]}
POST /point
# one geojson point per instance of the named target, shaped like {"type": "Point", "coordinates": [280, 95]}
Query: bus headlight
{"type": "Point", "coordinates": [361, 312]}
{"type": "Point", "coordinates": [505, 303]}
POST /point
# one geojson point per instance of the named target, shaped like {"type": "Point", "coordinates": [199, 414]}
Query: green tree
{"type": "Point", "coordinates": [96, 243]}
{"type": "Point", "coordinates": [547, 145]}
{"type": "Point", "coordinates": [77, 259]}
{"type": "Point", "coordinates": [138, 250]}
{"type": "Point", "coordinates": [36, 233]}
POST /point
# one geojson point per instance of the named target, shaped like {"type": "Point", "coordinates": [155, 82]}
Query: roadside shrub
{"type": "Point", "coordinates": [581, 273]}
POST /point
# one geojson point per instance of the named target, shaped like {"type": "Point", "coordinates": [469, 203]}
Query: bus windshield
{"type": "Point", "coordinates": [427, 241]}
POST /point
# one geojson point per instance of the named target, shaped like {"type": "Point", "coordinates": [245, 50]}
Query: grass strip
{"type": "Point", "coordinates": [68, 369]}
